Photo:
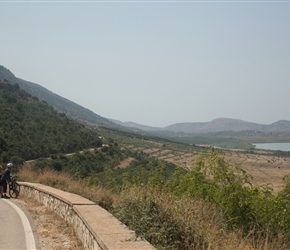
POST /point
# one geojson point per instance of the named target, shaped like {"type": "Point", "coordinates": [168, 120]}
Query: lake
{"type": "Point", "coordinates": [285, 146]}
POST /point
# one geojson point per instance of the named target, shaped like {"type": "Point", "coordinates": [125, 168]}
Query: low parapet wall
{"type": "Point", "coordinates": [94, 226]}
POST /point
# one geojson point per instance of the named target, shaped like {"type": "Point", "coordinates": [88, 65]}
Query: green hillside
{"type": "Point", "coordinates": [58, 103]}
{"type": "Point", "coordinates": [31, 129]}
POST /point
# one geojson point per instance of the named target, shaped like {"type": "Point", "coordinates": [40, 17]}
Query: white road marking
{"type": "Point", "coordinates": [29, 237]}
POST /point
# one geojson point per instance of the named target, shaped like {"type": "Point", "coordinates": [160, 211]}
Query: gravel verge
{"type": "Point", "coordinates": [52, 231]}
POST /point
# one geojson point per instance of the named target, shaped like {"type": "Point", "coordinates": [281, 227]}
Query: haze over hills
{"type": "Point", "coordinates": [84, 115]}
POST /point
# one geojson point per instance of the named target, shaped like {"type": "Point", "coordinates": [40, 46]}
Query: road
{"type": "Point", "coordinates": [15, 229]}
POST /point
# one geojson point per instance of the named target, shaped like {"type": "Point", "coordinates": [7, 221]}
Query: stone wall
{"type": "Point", "coordinates": [95, 227]}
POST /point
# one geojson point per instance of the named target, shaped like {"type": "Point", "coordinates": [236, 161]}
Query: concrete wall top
{"type": "Point", "coordinates": [109, 232]}
{"type": "Point", "coordinates": [69, 198]}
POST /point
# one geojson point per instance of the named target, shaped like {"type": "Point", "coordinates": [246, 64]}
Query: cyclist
{"type": "Point", "coordinates": [5, 178]}
{"type": "Point", "coordinates": [1, 185]}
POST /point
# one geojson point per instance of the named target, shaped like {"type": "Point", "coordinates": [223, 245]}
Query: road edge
{"type": "Point", "coordinates": [31, 241]}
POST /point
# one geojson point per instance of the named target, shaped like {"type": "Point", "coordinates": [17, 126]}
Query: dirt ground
{"type": "Point", "coordinates": [53, 232]}
{"type": "Point", "coordinates": [126, 162]}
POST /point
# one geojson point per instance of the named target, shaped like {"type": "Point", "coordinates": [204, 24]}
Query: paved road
{"type": "Point", "coordinates": [15, 229]}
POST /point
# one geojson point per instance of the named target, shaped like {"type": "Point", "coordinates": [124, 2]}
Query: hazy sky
{"type": "Point", "coordinates": [155, 62]}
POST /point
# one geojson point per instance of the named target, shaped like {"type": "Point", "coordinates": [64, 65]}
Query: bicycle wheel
{"type": "Point", "coordinates": [15, 190]}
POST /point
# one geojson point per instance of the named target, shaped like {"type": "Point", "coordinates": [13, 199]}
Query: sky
{"type": "Point", "coordinates": [155, 63]}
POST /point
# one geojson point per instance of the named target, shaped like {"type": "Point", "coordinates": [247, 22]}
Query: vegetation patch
{"type": "Point", "coordinates": [211, 206]}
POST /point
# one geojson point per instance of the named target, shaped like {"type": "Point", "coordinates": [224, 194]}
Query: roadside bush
{"type": "Point", "coordinates": [168, 223]}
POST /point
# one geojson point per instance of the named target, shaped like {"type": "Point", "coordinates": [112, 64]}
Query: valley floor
{"type": "Point", "coordinates": [264, 166]}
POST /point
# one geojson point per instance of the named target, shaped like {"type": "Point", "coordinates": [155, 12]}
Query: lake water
{"type": "Point", "coordinates": [273, 146]}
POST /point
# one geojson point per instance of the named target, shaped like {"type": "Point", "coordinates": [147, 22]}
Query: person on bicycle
{"type": "Point", "coordinates": [1, 185]}
{"type": "Point", "coordinates": [5, 179]}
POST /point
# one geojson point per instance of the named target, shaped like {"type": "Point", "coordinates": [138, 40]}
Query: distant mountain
{"type": "Point", "coordinates": [60, 104]}
{"type": "Point", "coordinates": [227, 124]}
{"type": "Point", "coordinates": [281, 126]}
{"type": "Point", "coordinates": [85, 116]}
{"type": "Point", "coordinates": [134, 125]}
{"type": "Point", "coordinates": [217, 125]}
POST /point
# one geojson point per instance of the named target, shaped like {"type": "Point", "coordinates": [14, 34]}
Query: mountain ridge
{"type": "Point", "coordinates": [86, 116]}
{"type": "Point", "coordinates": [60, 104]}
{"type": "Point", "coordinates": [216, 125]}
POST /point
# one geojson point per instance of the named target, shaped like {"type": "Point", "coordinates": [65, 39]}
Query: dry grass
{"type": "Point", "coordinates": [64, 181]}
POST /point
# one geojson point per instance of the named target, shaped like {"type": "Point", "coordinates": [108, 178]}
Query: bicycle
{"type": "Point", "coordinates": [14, 187]}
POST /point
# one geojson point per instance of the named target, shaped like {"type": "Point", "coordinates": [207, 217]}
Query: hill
{"type": "Point", "coordinates": [31, 129]}
{"type": "Point", "coordinates": [214, 126]}
{"type": "Point", "coordinates": [60, 104]}
{"type": "Point", "coordinates": [226, 124]}
{"type": "Point", "coordinates": [135, 126]}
